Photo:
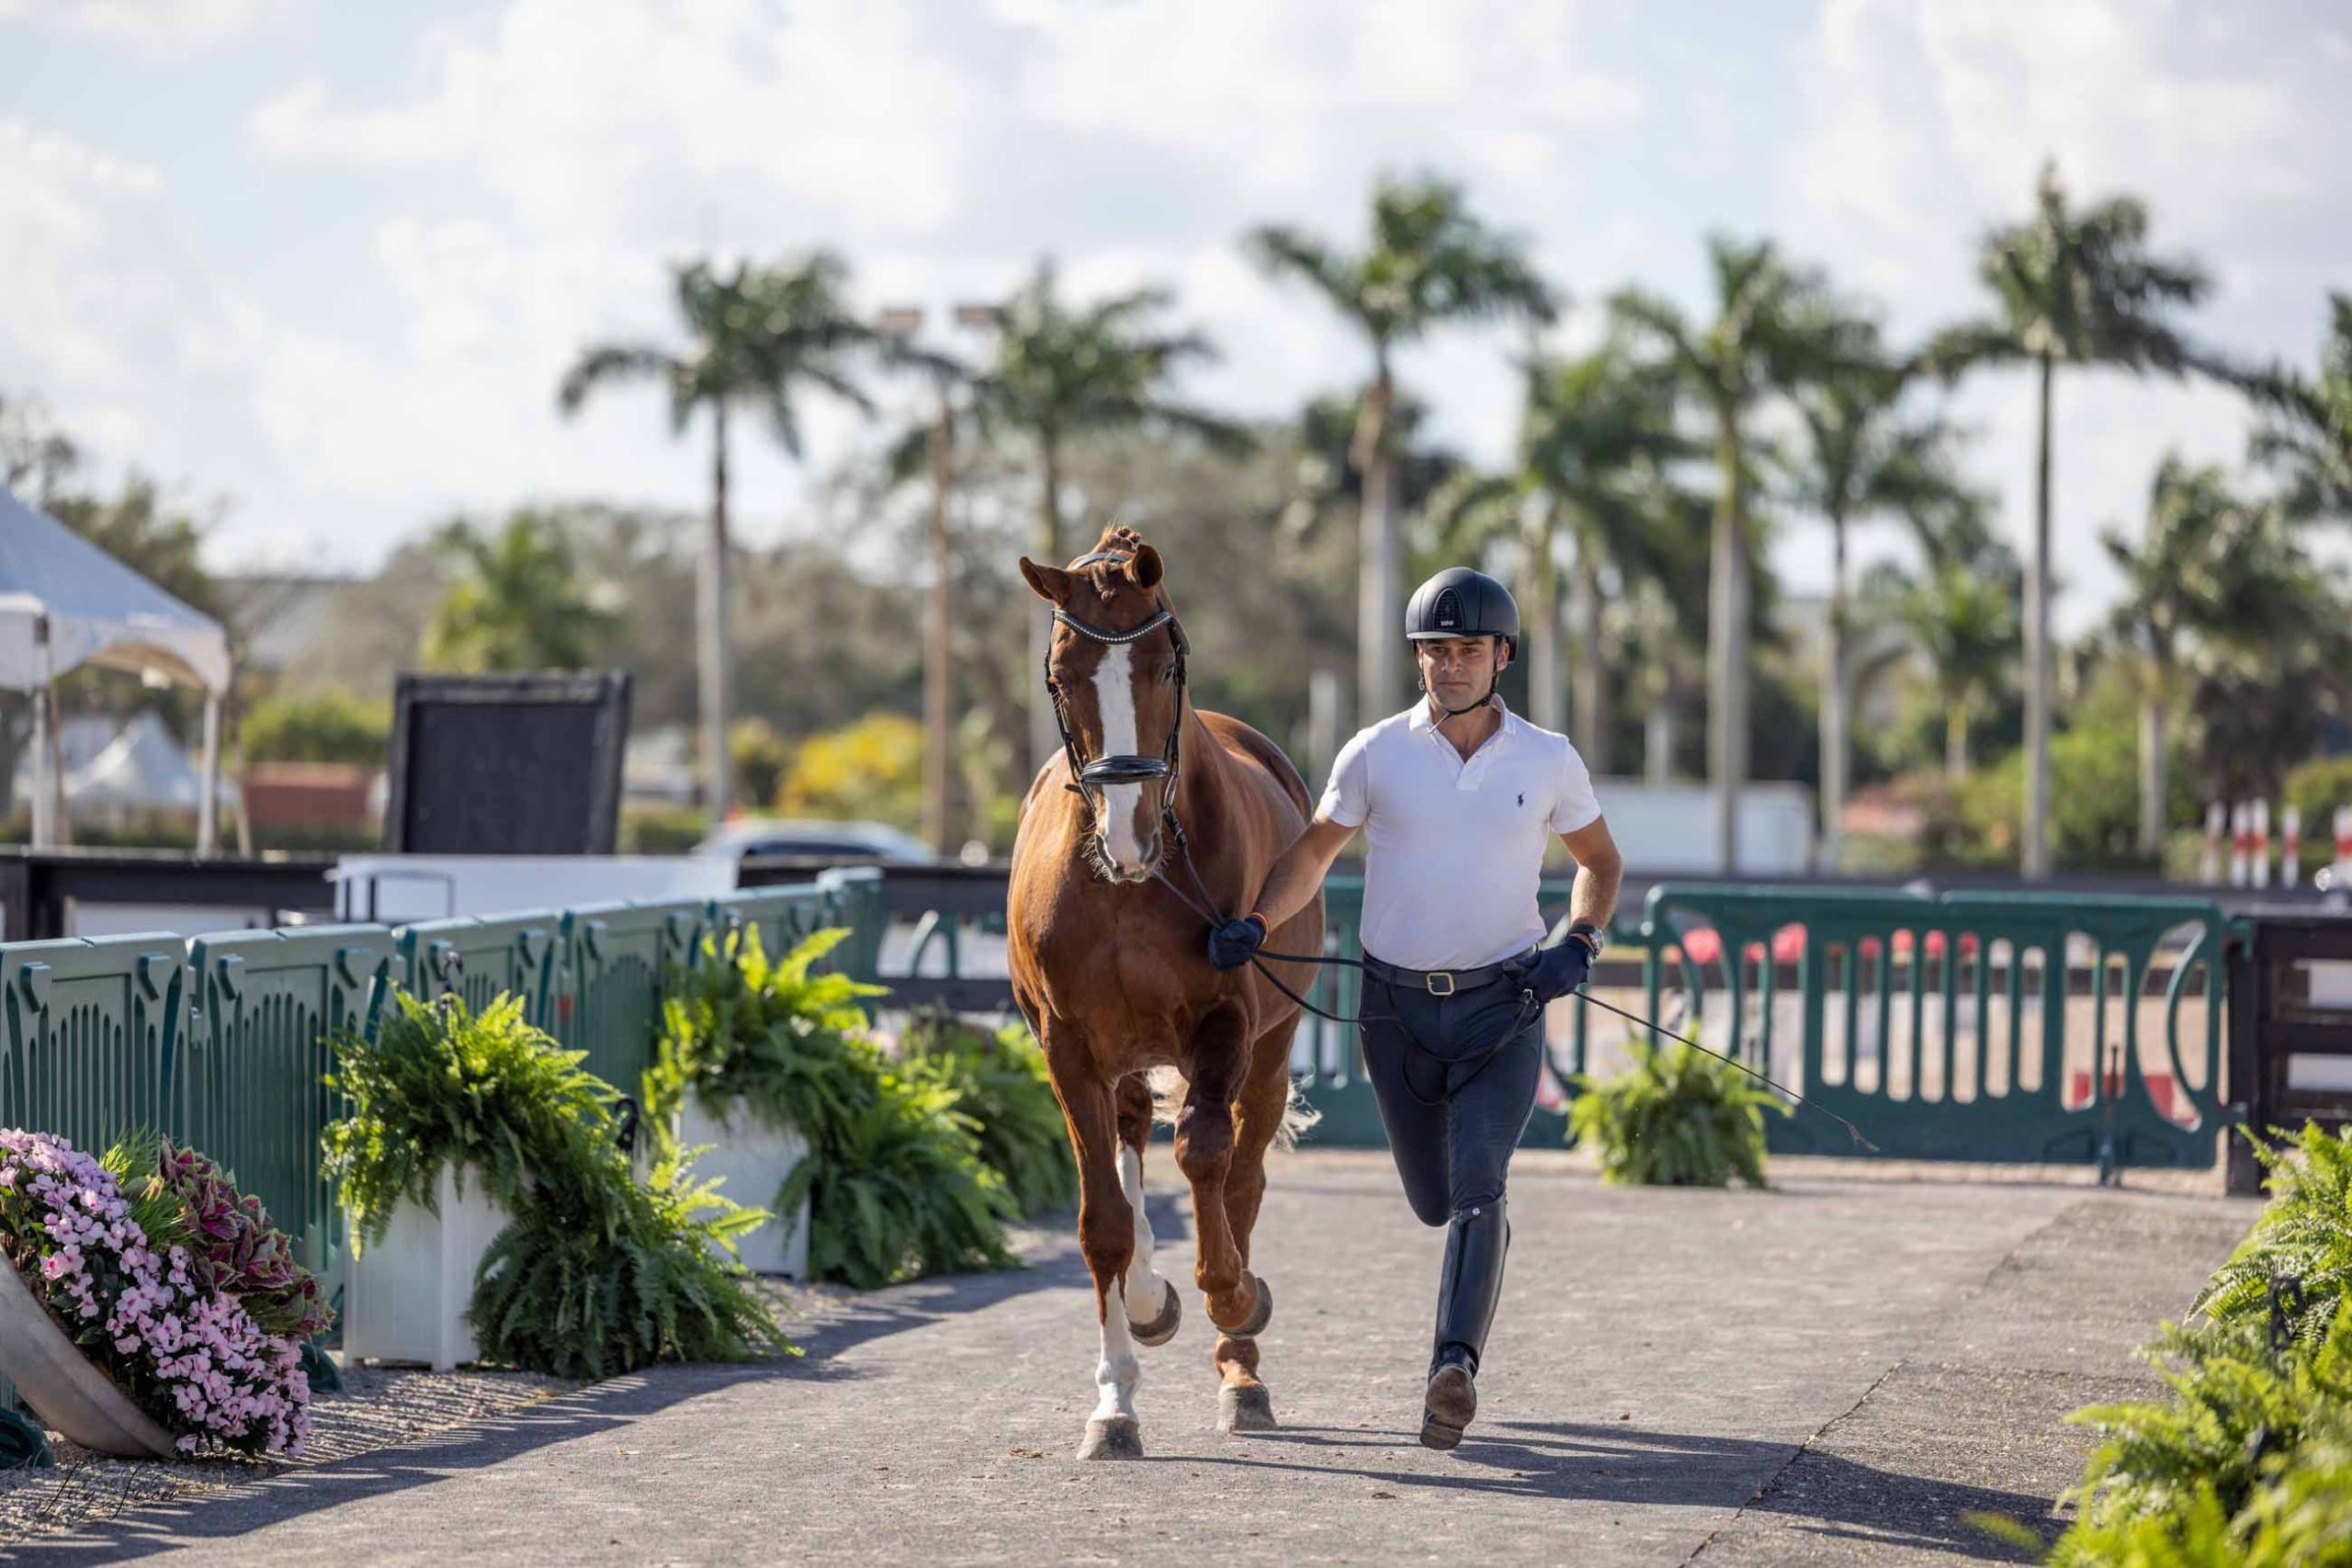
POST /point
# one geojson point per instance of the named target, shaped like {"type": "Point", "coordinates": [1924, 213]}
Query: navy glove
{"type": "Point", "coordinates": [1232, 943]}
{"type": "Point", "coordinates": [1557, 970]}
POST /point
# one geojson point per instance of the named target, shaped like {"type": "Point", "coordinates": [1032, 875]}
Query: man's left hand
{"type": "Point", "coordinates": [1557, 970]}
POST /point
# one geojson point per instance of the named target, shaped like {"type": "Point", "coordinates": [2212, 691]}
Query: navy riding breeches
{"type": "Point", "coordinates": [1455, 1077]}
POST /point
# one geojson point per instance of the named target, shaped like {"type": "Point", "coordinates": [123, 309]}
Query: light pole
{"type": "Point", "coordinates": [902, 323]}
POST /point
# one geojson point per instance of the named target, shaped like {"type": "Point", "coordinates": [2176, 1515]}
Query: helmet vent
{"type": "Point", "coordinates": [1449, 609]}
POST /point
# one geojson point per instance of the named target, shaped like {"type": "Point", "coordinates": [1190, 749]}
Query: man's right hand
{"type": "Point", "coordinates": [1234, 942]}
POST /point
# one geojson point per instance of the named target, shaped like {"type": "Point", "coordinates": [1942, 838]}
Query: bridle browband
{"type": "Point", "coordinates": [1123, 770]}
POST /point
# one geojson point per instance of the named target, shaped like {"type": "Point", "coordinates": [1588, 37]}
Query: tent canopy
{"type": "Point", "coordinates": [99, 611]}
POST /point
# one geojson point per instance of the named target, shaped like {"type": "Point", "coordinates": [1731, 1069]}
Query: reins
{"type": "Point", "coordinates": [1136, 769]}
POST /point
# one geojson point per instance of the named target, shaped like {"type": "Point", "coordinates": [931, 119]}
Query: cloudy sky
{"type": "Point", "coordinates": [327, 261]}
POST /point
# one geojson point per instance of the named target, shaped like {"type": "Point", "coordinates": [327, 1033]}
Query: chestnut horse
{"type": "Point", "coordinates": [1110, 967]}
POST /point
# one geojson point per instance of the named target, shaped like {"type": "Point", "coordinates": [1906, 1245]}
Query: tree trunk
{"type": "Point", "coordinates": [1547, 690]}
{"type": "Point", "coordinates": [1045, 738]}
{"type": "Point", "coordinates": [1658, 740]}
{"type": "Point", "coordinates": [1377, 601]}
{"type": "Point", "coordinates": [717, 766]}
{"type": "Point", "coordinates": [2152, 775]}
{"type": "Point", "coordinates": [1727, 647]}
{"type": "Point", "coordinates": [1837, 702]}
{"type": "Point", "coordinates": [1592, 667]}
{"type": "Point", "coordinates": [1956, 738]}
{"type": "Point", "coordinates": [938, 723]}
{"type": "Point", "coordinates": [2035, 859]}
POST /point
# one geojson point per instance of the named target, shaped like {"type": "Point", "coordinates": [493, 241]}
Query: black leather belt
{"type": "Point", "coordinates": [1442, 982]}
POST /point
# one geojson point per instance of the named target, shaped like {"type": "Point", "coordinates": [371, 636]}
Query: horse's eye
{"type": "Point", "coordinates": [1168, 676]}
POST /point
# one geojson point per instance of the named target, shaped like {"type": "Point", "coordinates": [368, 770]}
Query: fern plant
{"type": "Point", "coordinates": [897, 1188]}
{"type": "Point", "coordinates": [485, 1093]}
{"type": "Point", "coordinates": [1675, 1117]}
{"type": "Point", "coordinates": [2305, 1234]}
{"type": "Point", "coordinates": [1001, 1082]}
{"type": "Point", "coordinates": [597, 1279]}
{"type": "Point", "coordinates": [896, 1182]}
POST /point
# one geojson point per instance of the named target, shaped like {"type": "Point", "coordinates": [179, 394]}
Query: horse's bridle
{"type": "Point", "coordinates": [1118, 770]}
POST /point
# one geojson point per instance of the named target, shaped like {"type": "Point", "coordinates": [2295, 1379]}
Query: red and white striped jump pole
{"type": "Point", "coordinates": [2343, 877]}
{"type": "Point", "coordinates": [2241, 842]}
{"type": "Point", "coordinates": [2291, 845]}
{"type": "Point", "coordinates": [2262, 843]}
{"type": "Point", "coordinates": [2209, 862]}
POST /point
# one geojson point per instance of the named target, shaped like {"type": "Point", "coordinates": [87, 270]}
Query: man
{"type": "Point", "coordinates": [1459, 798]}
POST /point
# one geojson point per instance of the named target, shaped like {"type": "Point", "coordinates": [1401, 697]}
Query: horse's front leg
{"type": "Point", "coordinates": [1239, 1302]}
{"type": "Point", "coordinates": [1106, 1236]}
{"type": "Point", "coordinates": [1243, 1402]}
{"type": "Point", "coordinates": [1154, 1308]}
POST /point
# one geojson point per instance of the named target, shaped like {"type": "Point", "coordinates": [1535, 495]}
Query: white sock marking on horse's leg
{"type": "Point", "coordinates": [1118, 1373]}
{"type": "Point", "coordinates": [1147, 1291]}
{"type": "Point", "coordinates": [1115, 699]}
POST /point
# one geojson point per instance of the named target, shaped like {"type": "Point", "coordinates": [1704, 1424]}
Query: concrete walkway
{"type": "Point", "coordinates": [1833, 1372]}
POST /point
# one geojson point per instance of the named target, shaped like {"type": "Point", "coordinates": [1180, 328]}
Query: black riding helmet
{"type": "Point", "coordinates": [1459, 602]}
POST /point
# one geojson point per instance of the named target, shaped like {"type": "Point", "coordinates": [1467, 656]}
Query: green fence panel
{"type": "Point", "coordinates": [616, 957]}
{"type": "Point", "coordinates": [247, 1086]}
{"type": "Point", "coordinates": [1976, 1026]}
{"type": "Point", "coordinates": [87, 1029]}
{"type": "Point", "coordinates": [784, 916]}
{"type": "Point", "coordinates": [854, 895]}
{"type": "Point", "coordinates": [483, 959]}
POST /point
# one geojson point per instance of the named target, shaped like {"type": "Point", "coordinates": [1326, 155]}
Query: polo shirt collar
{"type": "Point", "coordinates": [1424, 721]}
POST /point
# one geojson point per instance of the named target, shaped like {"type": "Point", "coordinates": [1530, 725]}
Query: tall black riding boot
{"type": "Point", "coordinates": [1468, 1286]}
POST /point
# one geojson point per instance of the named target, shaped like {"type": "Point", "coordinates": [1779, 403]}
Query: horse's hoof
{"type": "Point", "coordinates": [1261, 1315]}
{"type": "Point", "coordinates": [1112, 1437]}
{"type": "Point", "coordinates": [1245, 1407]}
{"type": "Point", "coordinates": [1161, 1329]}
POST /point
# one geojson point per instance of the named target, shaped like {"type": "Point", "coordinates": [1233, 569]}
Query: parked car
{"type": "Point", "coordinates": [842, 840]}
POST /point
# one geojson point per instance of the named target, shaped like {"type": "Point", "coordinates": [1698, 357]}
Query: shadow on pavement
{"type": "Point", "coordinates": [1834, 1497]}
{"type": "Point", "coordinates": [838, 1323]}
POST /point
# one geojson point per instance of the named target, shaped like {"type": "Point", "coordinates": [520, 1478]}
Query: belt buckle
{"type": "Point", "coordinates": [1433, 976]}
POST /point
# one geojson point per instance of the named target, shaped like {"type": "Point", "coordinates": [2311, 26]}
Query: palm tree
{"type": "Point", "coordinates": [2309, 433]}
{"type": "Point", "coordinates": [1963, 617]}
{"type": "Point", "coordinates": [1061, 373]}
{"type": "Point", "coordinates": [517, 600]}
{"type": "Point", "coordinates": [1859, 458]}
{"type": "Point", "coordinates": [1773, 329]}
{"type": "Point", "coordinates": [2169, 582]}
{"type": "Point", "coordinates": [756, 337]}
{"type": "Point", "coordinates": [2071, 288]}
{"type": "Point", "coordinates": [1427, 262]}
{"type": "Point", "coordinates": [1597, 440]}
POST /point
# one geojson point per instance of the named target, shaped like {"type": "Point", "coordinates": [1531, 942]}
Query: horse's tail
{"type": "Point", "coordinates": [1168, 1088]}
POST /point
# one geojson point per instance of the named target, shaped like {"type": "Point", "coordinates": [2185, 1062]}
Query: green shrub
{"type": "Point", "coordinates": [595, 1274]}
{"type": "Point", "coordinates": [2305, 1233]}
{"type": "Point", "coordinates": [331, 725]}
{"type": "Point", "coordinates": [442, 1085]}
{"type": "Point", "coordinates": [1000, 1083]}
{"type": "Point", "coordinates": [1675, 1118]}
{"type": "Point", "coordinates": [601, 1280]}
{"type": "Point", "coordinates": [2233, 1431]}
{"type": "Point", "coordinates": [894, 1176]}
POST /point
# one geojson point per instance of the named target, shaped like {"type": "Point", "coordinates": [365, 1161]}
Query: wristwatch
{"type": "Point", "coordinates": [1590, 934]}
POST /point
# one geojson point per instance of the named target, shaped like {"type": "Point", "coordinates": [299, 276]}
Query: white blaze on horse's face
{"type": "Point", "coordinates": [1127, 823]}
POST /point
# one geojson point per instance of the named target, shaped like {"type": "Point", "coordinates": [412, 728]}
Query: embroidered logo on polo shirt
{"type": "Point", "coordinates": [1523, 797]}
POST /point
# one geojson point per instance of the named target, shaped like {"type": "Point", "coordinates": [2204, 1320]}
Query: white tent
{"type": "Point", "coordinates": [65, 602]}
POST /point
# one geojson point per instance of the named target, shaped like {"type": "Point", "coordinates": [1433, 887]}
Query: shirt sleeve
{"type": "Point", "coordinates": [1575, 805]}
{"type": "Point", "coordinates": [1347, 799]}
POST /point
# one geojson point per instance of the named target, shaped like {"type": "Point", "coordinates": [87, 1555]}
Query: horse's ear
{"type": "Point", "coordinates": [1050, 583]}
{"type": "Point", "coordinates": [1145, 570]}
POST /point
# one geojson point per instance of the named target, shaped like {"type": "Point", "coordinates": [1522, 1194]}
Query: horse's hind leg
{"type": "Point", "coordinates": [1106, 1235]}
{"type": "Point", "coordinates": [1243, 1402]}
{"type": "Point", "coordinates": [1154, 1308]}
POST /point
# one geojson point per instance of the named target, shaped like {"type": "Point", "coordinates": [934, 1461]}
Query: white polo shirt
{"type": "Point", "coordinates": [1454, 849]}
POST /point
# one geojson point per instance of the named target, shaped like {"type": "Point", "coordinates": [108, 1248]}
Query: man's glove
{"type": "Point", "coordinates": [1557, 970]}
{"type": "Point", "coordinates": [1232, 943]}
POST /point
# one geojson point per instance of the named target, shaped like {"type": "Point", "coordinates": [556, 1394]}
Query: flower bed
{"type": "Point", "coordinates": [144, 1284]}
